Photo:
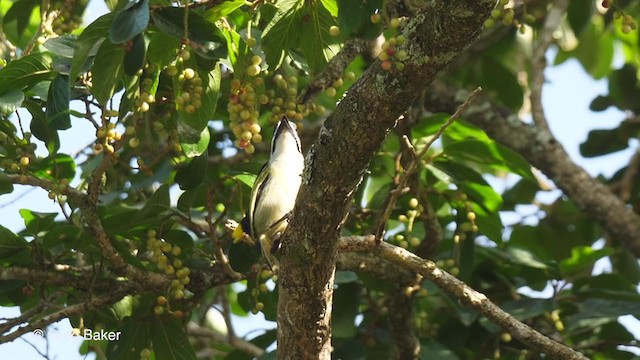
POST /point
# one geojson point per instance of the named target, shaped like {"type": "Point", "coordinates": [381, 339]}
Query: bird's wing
{"type": "Point", "coordinates": [256, 192]}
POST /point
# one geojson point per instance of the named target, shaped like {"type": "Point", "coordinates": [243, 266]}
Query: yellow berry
{"type": "Point", "coordinates": [253, 70]}
{"type": "Point", "coordinates": [24, 161]}
{"type": "Point", "coordinates": [394, 23]}
{"type": "Point", "coordinates": [189, 73]}
{"type": "Point", "coordinates": [334, 31]}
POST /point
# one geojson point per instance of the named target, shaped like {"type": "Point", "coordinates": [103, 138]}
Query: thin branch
{"type": "Point", "coordinates": [465, 294]}
{"type": "Point", "coordinates": [539, 60]}
{"type": "Point", "coordinates": [22, 179]}
{"type": "Point", "coordinates": [26, 315]}
{"type": "Point", "coordinates": [415, 161]}
{"type": "Point", "coordinates": [65, 312]}
{"type": "Point", "coordinates": [217, 246]}
{"type": "Point", "coordinates": [335, 67]}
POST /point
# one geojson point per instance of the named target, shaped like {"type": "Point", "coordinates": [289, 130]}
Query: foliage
{"type": "Point", "coordinates": [182, 99]}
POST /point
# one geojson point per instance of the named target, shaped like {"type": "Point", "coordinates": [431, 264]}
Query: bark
{"type": "Point", "coordinates": [543, 151]}
{"type": "Point", "coordinates": [340, 156]}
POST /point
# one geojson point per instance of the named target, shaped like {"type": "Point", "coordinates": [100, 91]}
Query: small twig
{"type": "Point", "coordinates": [219, 251]}
{"type": "Point", "coordinates": [539, 60]}
{"type": "Point", "coordinates": [45, 356]}
{"type": "Point", "coordinates": [226, 311]}
{"type": "Point", "coordinates": [402, 184]}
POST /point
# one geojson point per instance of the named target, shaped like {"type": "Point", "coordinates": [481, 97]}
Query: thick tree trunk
{"type": "Point", "coordinates": [340, 156]}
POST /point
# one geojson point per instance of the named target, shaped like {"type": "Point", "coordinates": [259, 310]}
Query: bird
{"type": "Point", "coordinates": [274, 192]}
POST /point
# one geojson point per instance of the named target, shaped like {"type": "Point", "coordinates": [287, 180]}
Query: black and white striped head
{"type": "Point", "coordinates": [285, 138]}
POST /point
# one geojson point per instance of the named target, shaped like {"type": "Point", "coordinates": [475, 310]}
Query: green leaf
{"type": "Point", "coordinates": [193, 197]}
{"type": "Point", "coordinates": [132, 20]}
{"type": "Point", "coordinates": [606, 141]}
{"type": "Point", "coordinates": [331, 6]}
{"type": "Point", "coordinates": [223, 9]}
{"type": "Point", "coordinates": [282, 32]}
{"type": "Point", "coordinates": [58, 166]}
{"type": "Point", "coordinates": [204, 36]}
{"type": "Point", "coordinates": [354, 18]}
{"type": "Point", "coordinates": [582, 259]}
{"type": "Point", "coordinates": [316, 42]}
{"type": "Point", "coordinates": [490, 153]}
{"type": "Point", "coordinates": [193, 144]}
{"type": "Point", "coordinates": [522, 310]}
{"type": "Point", "coordinates": [89, 42]}
{"type": "Point", "coordinates": [345, 310]}
{"type": "Point", "coordinates": [57, 113]}
{"type": "Point", "coordinates": [431, 349]}
{"type": "Point", "coordinates": [162, 49]}
{"type": "Point", "coordinates": [134, 59]}
{"type": "Point", "coordinates": [595, 50]}
{"type": "Point", "coordinates": [170, 340]}
{"type": "Point", "coordinates": [134, 336]}
{"type": "Point", "coordinates": [6, 187]}
{"type": "Point", "coordinates": [41, 129]}
{"type": "Point", "coordinates": [245, 178]}
{"type": "Point", "coordinates": [523, 192]}
{"type": "Point", "coordinates": [603, 308]}
{"type": "Point", "coordinates": [193, 173]}
{"type": "Point", "coordinates": [10, 101]}
{"type": "Point", "coordinates": [198, 120]}
{"type": "Point", "coordinates": [159, 202]}
{"type": "Point", "coordinates": [25, 72]}
{"type": "Point", "coordinates": [62, 45]}
{"type": "Point", "coordinates": [623, 88]}
{"type": "Point", "coordinates": [36, 222]}
{"type": "Point", "coordinates": [497, 78]}
{"type": "Point", "coordinates": [579, 15]}
{"type": "Point", "coordinates": [10, 243]}
{"type": "Point", "coordinates": [107, 71]}
{"type": "Point", "coordinates": [20, 13]}
{"type": "Point", "coordinates": [601, 103]}
{"type": "Point", "coordinates": [524, 257]}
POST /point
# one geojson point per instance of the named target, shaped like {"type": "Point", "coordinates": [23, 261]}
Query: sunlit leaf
{"type": "Point", "coordinates": [26, 72]}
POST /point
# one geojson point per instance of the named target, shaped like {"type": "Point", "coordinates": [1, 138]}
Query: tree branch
{"type": "Point", "coordinates": [543, 151]}
{"type": "Point", "coordinates": [338, 160]}
{"type": "Point", "coordinates": [539, 60]}
{"type": "Point", "coordinates": [65, 312]}
{"type": "Point", "coordinates": [465, 294]}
